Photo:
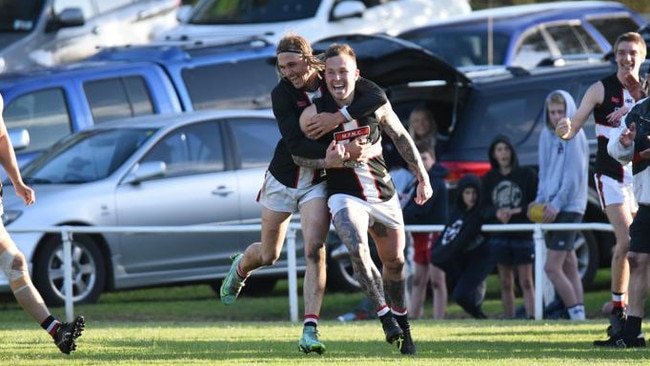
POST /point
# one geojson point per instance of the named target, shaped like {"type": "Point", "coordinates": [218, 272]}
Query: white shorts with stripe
{"type": "Point", "coordinates": [280, 198]}
{"type": "Point", "coordinates": [388, 213]}
{"type": "Point", "coordinates": [611, 192]}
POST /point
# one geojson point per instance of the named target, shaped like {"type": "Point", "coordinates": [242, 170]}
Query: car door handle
{"type": "Point", "coordinates": [222, 191]}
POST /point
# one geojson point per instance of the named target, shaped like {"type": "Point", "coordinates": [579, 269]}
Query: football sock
{"type": "Point", "coordinates": [50, 325]}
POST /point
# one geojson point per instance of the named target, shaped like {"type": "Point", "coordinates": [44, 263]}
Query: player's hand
{"type": "Point", "coordinates": [628, 135]}
{"type": "Point", "coordinates": [320, 124]}
{"type": "Point", "coordinates": [358, 149]}
{"type": "Point", "coordinates": [335, 155]}
{"type": "Point", "coordinates": [563, 128]}
{"type": "Point", "coordinates": [634, 87]}
{"type": "Point", "coordinates": [424, 192]}
{"type": "Point", "coordinates": [25, 192]}
{"type": "Point", "coordinates": [617, 115]}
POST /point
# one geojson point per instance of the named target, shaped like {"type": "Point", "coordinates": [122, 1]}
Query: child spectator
{"type": "Point", "coordinates": [434, 211]}
{"type": "Point", "coordinates": [507, 191]}
{"type": "Point", "coordinates": [462, 251]}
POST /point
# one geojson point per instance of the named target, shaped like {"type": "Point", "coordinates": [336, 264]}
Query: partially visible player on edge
{"type": "Point", "coordinates": [610, 99]}
{"type": "Point", "coordinates": [289, 188]}
{"type": "Point", "coordinates": [362, 199]}
{"type": "Point", "coordinates": [13, 262]}
{"type": "Point", "coordinates": [633, 144]}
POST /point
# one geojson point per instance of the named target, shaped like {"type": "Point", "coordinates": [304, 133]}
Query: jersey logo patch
{"type": "Point", "coordinates": [352, 134]}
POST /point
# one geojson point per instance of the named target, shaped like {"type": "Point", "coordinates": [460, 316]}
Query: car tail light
{"type": "Point", "coordinates": [459, 168]}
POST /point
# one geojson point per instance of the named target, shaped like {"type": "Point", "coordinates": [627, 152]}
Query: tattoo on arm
{"type": "Point", "coordinates": [309, 163]}
{"type": "Point", "coordinates": [402, 140]}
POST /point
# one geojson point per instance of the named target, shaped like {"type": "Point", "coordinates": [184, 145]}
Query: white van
{"type": "Point", "coordinates": [314, 19]}
{"type": "Point", "coordinates": [49, 32]}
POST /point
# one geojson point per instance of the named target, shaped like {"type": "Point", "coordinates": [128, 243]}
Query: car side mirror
{"type": "Point", "coordinates": [68, 17]}
{"type": "Point", "coordinates": [348, 9]}
{"type": "Point", "coordinates": [19, 138]}
{"type": "Point", "coordinates": [145, 171]}
{"type": "Point", "coordinates": [183, 13]}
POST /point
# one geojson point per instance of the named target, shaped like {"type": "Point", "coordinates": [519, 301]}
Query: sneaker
{"type": "Point", "coordinates": [622, 342]}
{"type": "Point", "coordinates": [232, 284]}
{"type": "Point", "coordinates": [67, 333]}
{"type": "Point", "coordinates": [309, 341]}
{"type": "Point", "coordinates": [406, 346]}
{"type": "Point", "coordinates": [391, 329]}
{"type": "Point", "coordinates": [617, 323]}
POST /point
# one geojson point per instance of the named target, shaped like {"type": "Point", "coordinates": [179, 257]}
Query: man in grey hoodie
{"type": "Point", "coordinates": [562, 189]}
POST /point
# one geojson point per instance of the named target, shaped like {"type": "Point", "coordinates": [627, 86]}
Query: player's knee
{"type": "Point", "coordinates": [269, 259]}
{"type": "Point", "coordinates": [315, 252]}
{"type": "Point", "coordinates": [14, 266]}
{"type": "Point", "coordinates": [637, 261]}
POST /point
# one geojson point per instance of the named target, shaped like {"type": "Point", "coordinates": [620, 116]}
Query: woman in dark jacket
{"type": "Point", "coordinates": [462, 251]}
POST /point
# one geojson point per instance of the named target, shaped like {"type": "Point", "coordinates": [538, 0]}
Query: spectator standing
{"type": "Point", "coordinates": [433, 212]}
{"type": "Point", "coordinates": [562, 189]}
{"type": "Point", "coordinates": [507, 191]}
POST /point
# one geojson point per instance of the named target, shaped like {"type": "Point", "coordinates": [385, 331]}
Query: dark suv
{"type": "Point", "coordinates": [473, 108]}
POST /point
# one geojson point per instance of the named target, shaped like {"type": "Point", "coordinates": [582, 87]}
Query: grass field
{"type": "Point", "coordinates": [188, 326]}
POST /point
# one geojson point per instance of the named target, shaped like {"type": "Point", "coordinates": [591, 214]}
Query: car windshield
{"type": "Point", "coordinates": [253, 11]}
{"type": "Point", "coordinates": [87, 156]}
{"type": "Point", "coordinates": [463, 47]}
{"type": "Point", "coordinates": [19, 16]}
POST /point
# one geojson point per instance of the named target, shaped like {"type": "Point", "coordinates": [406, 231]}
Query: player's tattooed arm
{"type": "Point", "coordinates": [335, 157]}
{"type": "Point", "coordinates": [402, 140]}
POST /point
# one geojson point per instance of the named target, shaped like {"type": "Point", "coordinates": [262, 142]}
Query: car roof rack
{"type": "Point", "coordinates": [492, 70]}
{"type": "Point", "coordinates": [572, 59]}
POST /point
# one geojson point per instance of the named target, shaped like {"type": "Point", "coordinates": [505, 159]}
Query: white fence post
{"type": "Point", "coordinates": [66, 239]}
{"type": "Point", "coordinates": [540, 276]}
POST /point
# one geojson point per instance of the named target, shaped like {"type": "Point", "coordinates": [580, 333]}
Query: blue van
{"type": "Point", "coordinates": [46, 104]}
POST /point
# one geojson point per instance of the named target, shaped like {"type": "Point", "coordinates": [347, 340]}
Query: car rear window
{"type": "Point", "coordinates": [129, 97]}
{"type": "Point", "coordinates": [244, 84]}
{"type": "Point", "coordinates": [612, 27]}
{"type": "Point", "coordinates": [256, 11]}
{"type": "Point", "coordinates": [43, 113]}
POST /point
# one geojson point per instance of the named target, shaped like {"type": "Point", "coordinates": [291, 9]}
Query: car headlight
{"type": "Point", "coordinates": [10, 216]}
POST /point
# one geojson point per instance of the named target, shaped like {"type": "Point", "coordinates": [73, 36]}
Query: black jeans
{"type": "Point", "coordinates": [467, 274]}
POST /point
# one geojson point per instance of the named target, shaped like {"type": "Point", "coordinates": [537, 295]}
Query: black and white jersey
{"type": "Point", "coordinates": [370, 181]}
{"type": "Point", "coordinates": [616, 97]}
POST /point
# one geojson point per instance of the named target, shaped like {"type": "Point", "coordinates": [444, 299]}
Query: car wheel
{"type": "Point", "coordinates": [88, 271]}
{"type": "Point", "coordinates": [586, 248]}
